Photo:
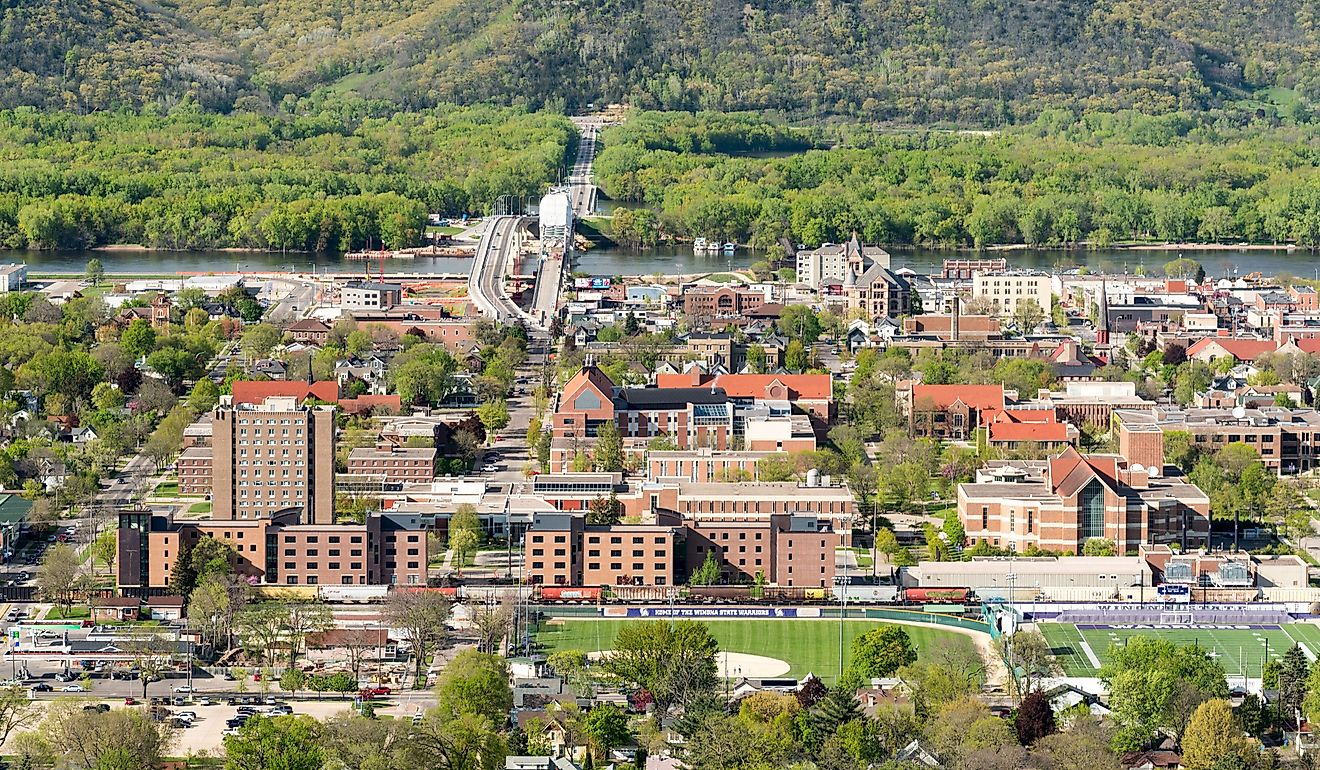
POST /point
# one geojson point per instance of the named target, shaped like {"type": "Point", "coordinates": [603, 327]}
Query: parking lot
{"type": "Point", "coordinates": [207, 730]}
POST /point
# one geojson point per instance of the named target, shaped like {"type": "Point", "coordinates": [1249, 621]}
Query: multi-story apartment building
{"type": "Point", "coordinates": [1059, 504]}
{"type": "Point", "coordinates": [1287, 439]}
{"type": "Point", "coordinates": [1007, 291]}
{"type": "Point", "coordinates": [785, 550]}
{"type": "Point", "coordinates": [782, 549]}
{"type": "Point", "coordinates": [279, 550]}
{"type": "Point", "coordinates": [735, 501]}
{"type": "Point", "coordinates": [194, 465]}
{"type": "Point", "coordinates": [393, 463]}
{"type": "Point", "coordinates": [272, 456]}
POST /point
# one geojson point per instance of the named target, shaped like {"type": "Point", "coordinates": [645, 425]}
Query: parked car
{"type": "Point", "coordinates": [228, 731]}
{"type": "Point", "coordinates": [185, 688]}
{"type": "Point", "coordinates": [102, 707]}
{"type": "Point", "coordinates": [130, 701]}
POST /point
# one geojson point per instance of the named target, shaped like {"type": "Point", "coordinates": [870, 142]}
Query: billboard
{"type": "Point", "coordinates": [711, 612]}
{"type": "Point", "coordinates": [591, 283]}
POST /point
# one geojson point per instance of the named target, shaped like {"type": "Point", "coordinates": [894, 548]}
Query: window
{"type": "Point", "coordinates": [1091, 510]}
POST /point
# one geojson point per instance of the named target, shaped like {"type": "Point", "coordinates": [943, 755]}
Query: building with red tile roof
{"type": "Point", "coordinates": [1241, 349]}
{"type": "Point", "coordinates": [949, 411]}
{"type": "Point", "coordinates": [255, 392]}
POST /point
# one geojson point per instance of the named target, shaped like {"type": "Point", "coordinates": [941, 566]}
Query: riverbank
{"type": "Point", "coordinates": [1139, 246]}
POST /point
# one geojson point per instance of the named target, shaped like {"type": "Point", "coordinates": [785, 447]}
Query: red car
{"type": "Point", "coordinates": [373, 692]}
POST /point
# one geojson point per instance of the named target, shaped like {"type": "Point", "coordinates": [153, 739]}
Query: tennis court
{"type": "Point", "coordinates": [1240, 650]}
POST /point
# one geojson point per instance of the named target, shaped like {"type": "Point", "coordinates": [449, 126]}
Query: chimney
{"type": "Point", "coordinates": [953, 318]}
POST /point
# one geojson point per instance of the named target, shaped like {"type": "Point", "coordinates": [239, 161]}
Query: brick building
{"type": "Point", "coordinates": [1059, 504]}
{"type": "Point", "coordinates": [279, 550]}
{"type": "Point", "coordinates": [692, 416]}
{"type": "Point", "coordinates": [705, 304]}
{"type": "Point", "coordinates": [309, 330]}
{"type": "Point", "coordinates": [194, 465]}
{"type": "Point", "coordinates": [271, 456]}
{"type": "Point", "coordinates": [785, 550]}
{"type": "Point", "coordinates": [1008, 291]}
{"type": "Point", "coordinates": [1285, 438]}
{"type": "Point", "coordinates": [948, 411]}
{"type": "Point", "coordinates": [394, 463]}
{"type": "Point", "coordinates": [703, 465]}
{"type": "Point", "coordinates": [812, 394]}
{"type": "Point", "coordinates": [878, 292]}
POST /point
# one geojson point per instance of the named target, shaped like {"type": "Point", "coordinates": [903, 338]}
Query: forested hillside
{"type": "Point", "coordinates": [1061, 180]}
{"type": "Point", "coordinates": [972, 62]}
{"type": "Point", "coordinates": [330, 181]}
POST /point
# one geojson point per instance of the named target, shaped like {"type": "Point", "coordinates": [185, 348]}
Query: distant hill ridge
{"type": "Point", "coordinates": [967, 62]}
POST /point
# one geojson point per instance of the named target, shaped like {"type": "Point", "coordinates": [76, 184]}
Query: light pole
{"type": "Point", "coordinates": [843, 613]}
{"type": "Point", "coordinates": [1011, 579]}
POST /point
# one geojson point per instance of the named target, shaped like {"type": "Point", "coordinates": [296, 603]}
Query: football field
{"type": "Point", "coordinates": [1241, 651]}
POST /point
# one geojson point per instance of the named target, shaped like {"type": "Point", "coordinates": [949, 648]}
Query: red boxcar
{"type": "Point", "coordinates": [570, 594]}
{"type": "Point", "coordinates": [935, 594]}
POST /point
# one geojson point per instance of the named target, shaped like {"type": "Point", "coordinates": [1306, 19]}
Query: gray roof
{"type": "Point", "coordinates": [660, 398]}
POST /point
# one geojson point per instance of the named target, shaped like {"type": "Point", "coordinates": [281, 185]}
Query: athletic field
{"type": "Point", "coordinates": [1239, 650]}
{"type": "Point", "coordinates": [807, 646]}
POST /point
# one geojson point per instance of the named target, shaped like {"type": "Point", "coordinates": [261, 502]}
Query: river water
{"type": "Point", "coordinates": [667, 260]}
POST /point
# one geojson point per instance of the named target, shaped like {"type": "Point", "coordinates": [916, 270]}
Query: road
{"type": "Point", "coordinates": [581, 190]}
{"type": "Point", "coordinates": [491, 267]}
{"type": "Point", "coordinates": [292, 307]}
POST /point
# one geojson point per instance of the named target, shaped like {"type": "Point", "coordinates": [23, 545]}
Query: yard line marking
{"type": "Point", "coordinates": [1310, 656]}
{"type": "Point", "coordinates": [1090, 654]}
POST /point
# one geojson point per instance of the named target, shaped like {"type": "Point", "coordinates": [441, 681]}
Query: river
{"type": "Point", "coordinates": [667, 260]}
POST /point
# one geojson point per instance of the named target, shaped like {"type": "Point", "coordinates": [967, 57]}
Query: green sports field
{"type": "Point", "coordinates": [808, 646]}
{"type": "Point", "coordinates": [1239, 651]}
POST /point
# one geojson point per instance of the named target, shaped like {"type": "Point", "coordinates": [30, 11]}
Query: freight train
{"type": "Point", "coordinates": [855, 593]}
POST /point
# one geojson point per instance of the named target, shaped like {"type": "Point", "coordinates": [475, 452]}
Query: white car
{"type": "Point", "coordinates": [489, 468]}
{"type": "Point", "coordinates": [185, 688]}
{"type": "Point", "coordinates": [73, 688]}
{"type": "Point", "coordinates": [231, 731]}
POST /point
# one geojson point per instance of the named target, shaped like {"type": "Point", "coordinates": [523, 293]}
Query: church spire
{"type": "Point", "coordinates": [1102, 321]}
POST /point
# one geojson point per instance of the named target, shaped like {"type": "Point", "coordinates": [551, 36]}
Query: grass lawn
{"type": "Point", "coordinates": [1239, 651]}
{"type": "Point", "coordinates": [75, 613]}
{"type": "Point", "coordinates": [445, 230]}
{"type": "Point", "coordinates": [808, 646]}
{"type": "Point", "coordinates": [203, 507]}
{"type": "Point", "coordinates": [166, 489]}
